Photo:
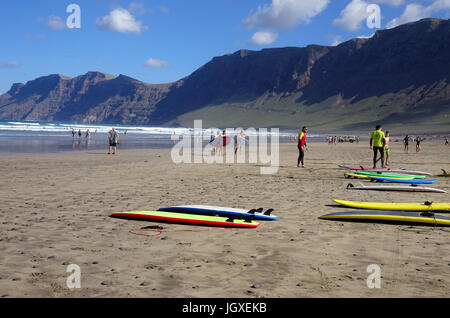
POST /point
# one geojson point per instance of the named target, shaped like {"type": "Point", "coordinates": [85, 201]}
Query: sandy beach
{"type": "Point", "coordinates": [55, 211]}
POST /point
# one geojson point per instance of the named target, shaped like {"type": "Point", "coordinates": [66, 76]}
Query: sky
{"type": "Point", "coordinates": [161, 41]}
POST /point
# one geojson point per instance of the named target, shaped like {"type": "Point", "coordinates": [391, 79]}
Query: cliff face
{"type": "Point", "coordinates": [398, 75]}
{"type": "Point", "coordinates": [93, 97]}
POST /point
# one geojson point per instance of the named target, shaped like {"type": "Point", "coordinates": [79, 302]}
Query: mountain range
{"type": "Point", "coordinates": [398, 77]}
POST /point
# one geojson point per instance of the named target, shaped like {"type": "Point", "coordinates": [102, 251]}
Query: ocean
{"type": "Point", "coordinates": [54, 137]}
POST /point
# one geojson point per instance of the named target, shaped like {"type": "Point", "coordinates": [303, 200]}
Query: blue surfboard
{"type": "Point", "coordinates": [403, 181]}
{"type": "Point", "coordinates": [257, 214]}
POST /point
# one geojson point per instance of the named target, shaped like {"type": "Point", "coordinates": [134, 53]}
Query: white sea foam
{"type": "Point", "coordinates": [66, 128]}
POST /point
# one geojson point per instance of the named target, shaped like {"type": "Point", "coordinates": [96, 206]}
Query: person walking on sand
{"type": "Point", "coordinates": [387, 150]}
{"type": "Point", "coordinates": [377, 144]}
{"type": "Point", "coordinates": [446, 140]}
{"type": "Point", "coordinates": [302, 147]}
{"type": "Point", "coordinates": [113, 138]}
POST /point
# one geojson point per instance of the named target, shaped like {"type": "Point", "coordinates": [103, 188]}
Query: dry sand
{"type": "Point", "coordinates": [55, 211]}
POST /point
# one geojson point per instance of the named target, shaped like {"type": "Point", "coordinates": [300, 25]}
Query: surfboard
{"type": "Point", "coordinates": [242, 141]}
{"type": "Point", "coordinates": [426, 206]}
{"type": "Point", "coordinates": [361, 176]}
{"type": "Point", "coordinates": [217, 142]}
{"type": "Point", "coordinates": [258, 214]}
{"type": "Point", "coordinates": [387, 170]}
{"type": "Point", "coordinates": [410, 188]}
{"type": "Point", "coordinates": [395, 217]}
{"type": "Point", "coordinates": [404, 180]}
{"type": "Point", "coordinates": [368, 169]}
{"type": "Point", "coordinates": [413, 172]}
{"type": "Point", "coordinates": [192, 219]}
{"type": "Point", "coordinates": [388, 175]}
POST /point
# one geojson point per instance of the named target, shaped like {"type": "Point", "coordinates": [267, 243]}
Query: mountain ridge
{"type": "Point", "coordinates": [398, 76]}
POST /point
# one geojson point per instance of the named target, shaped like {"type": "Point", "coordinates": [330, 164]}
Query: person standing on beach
{"type": "Point", "coordinates": [406, 143]}
{"type": "Point", "coordinates": [174, 138]}
{"type": "Point", "coordinates": [446, 140]}
{"type": "Point", "coordinates": [302, 147]}
{"type": "Point", "coordinates": [113, 138]}
{"type": "Point", "coordinates": [418, 141]}
{"type": "Point", "coordinates": [224, 142]}
{"type": "Point", "coordinates": [377, 144]}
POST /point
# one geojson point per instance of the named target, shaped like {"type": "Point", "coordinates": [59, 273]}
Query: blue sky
{"type": "Point", "coordinates": [161, 41]}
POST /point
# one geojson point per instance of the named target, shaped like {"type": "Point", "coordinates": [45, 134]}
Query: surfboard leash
{"type": "Point", "coordinates": [159, 231]}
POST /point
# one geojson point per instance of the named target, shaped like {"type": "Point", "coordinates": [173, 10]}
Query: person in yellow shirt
{"type": "Point", "coordinates": [377, 144]}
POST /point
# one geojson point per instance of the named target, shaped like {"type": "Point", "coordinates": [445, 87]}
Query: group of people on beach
{"type": "Point", "coordinates": [379, 144]}
{"type": "Point", "coordinates": [334, 140]}
{"type": "Point", "coordinates": [417, 140]}
{"type": "Point", "coordinates": [87, 133]}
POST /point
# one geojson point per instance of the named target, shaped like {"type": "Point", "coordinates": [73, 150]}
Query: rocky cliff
{"type": "Point", "coordinates": [397, 77]}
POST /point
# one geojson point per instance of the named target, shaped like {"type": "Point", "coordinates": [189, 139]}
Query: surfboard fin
{"type": "Point", "coordinates": [428, 203]}
{"type": "Point", "coordinates": [259, 210]}
{"type": "Point", "coordinates": [249, 219]}
{"type": "Point", "coordinates": [350, 186]}
{"type": "Point", "coordinates": [230, 219]}
{"type": "Point", "coordinates": [427, 213]}
{"type": "Point", "coordinates": [362, 168]}
{"type": "Point", "coordinates": [268, 212]}
{"type": "Point", "coordinates": [252, 211]}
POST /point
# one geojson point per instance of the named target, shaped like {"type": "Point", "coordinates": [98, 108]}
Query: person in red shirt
{"type": "Point", "coordinates": [302, 147]}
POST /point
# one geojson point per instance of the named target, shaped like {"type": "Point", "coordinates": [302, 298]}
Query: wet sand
{"type": "Point", "coordinates": [55, 212]}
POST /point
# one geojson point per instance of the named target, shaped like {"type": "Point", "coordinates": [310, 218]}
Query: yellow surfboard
{"type": "Point", "coordinates": [426, 206]}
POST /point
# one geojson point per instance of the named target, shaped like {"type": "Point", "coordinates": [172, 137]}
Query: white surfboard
{"type": "Point", "coordinates": [258, 214]}
{"type": "Point", "coordinates": [413, 172]}
{"type": "Point", "coordinates": [409, 188]}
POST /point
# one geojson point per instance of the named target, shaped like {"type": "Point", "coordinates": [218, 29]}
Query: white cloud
{"type": "Point", "coordinates": [394, 3]}
{"type": "Point", "coordinates": [353, 15]}
{"type": "Point", "coordinates": [137, 8]}
{"type": "Point", "coordinates": [414, 12]}
{"type": "Point", "coordinates": [336, 40]}
{"type": "Point", "coordinates": [121, 20]}
{"type": "Point", "coordinates": [10, 64]}
{"type": "Point", "coordinates": [56, 23]}
{"type": "Point", "coordinates": [151, 62]}
{"type": "Point", "coordinates": [263, 38]}
{"type": "Point", "coordinates": [282, 14]}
